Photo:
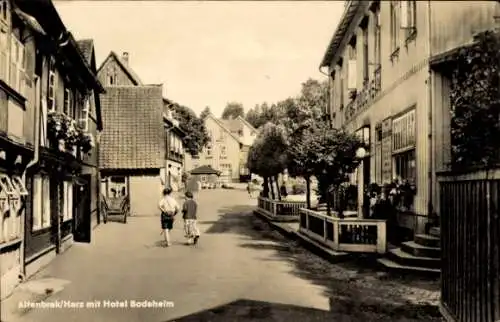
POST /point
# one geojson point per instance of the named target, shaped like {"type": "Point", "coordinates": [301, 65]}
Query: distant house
{"type": "Point", "coordinates": [222, 152]}
{"type": "Point", "coordinates": [132, 157]}
{"type": "Point", "coordinates": [174, 155]}
{"type": "Point", "coordinates": [247, 135]}
{"type": "Point", "coordinates": [115, 70]}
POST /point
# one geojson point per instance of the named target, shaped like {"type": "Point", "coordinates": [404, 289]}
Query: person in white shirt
{"type": "Point", "coordinates": [169, 208]}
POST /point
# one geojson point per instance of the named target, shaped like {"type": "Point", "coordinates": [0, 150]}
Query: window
{"type": "Point", "coordinates": [377, 36]}
{"type": "Point", "coordinates": [366, 68]}
{"type": "Point", "coordinates": [404, 165]}
{"type": "Point", "coordinates": [4, 54]}
{"type": "Point", "coordinates": [351, 66]}
{"type": "Point", "coordinates": [172, 143]}
{"type": "Point", "coordinates": [404, 131]}
{"type": "Point", "coordinates": [395, 23]}
{"type": "Point", "coordinates": [41, 202]}
{"type": "Point", "coordinates": [67, 201]}
{"type": "Point", "coordinates": [52, 87]}
{"type": "Point", "coordinates": [223, 152]}
{"type": "Point", "coordinates": [67, 102]}
{"type": "Point", "coordinates": [83, 121]}
{"type": "Point", "coordinates": [17, 66]}
{"type": "Point", "coordinates": [409, 17]}
{"type": "Point", "coordinates": [111, 80]}
{"type": "Point", "coordinates": [209, 151]}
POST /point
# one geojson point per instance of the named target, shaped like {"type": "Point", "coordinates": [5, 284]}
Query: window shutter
{"type": "Point", "coordinates": [351, 80]}
{"type": "Point", "coordinates": [405, 21]}
{"type": "Point", "coordinates": [83, 122]}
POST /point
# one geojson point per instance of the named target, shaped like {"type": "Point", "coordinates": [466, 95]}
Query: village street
{"type": "Point", "coordinates": [239, 271]}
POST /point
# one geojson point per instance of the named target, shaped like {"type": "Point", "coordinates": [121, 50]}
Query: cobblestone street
{"type": "Point", "coordinates": [240, 271]}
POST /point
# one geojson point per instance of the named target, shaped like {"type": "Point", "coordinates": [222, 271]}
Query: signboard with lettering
{"type": "Point", "coordinates": [387, 150]}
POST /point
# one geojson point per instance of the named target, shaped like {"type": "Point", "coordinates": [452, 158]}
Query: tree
{"type": "Point", "coordinates": [314, 97]}
{"type": "Point", "coordinates": [206, 111]}
{"type": "Point", "coordinates": [194, 127]}
{"type": "Point", "coordinates": [233, 110]}
{"type": "Point", "coordinates": [267, 157]}
{"type": "Point", "coordinates": [254, 116]}
{"type": "Point", "coordinates": [326, 153]}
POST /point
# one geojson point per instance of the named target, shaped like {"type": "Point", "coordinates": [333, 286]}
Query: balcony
{"type": "Point", "coordinates": [363, 98]}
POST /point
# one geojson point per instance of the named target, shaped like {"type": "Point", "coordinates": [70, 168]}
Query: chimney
{"type": "Point", "coordinates": [125, 57]}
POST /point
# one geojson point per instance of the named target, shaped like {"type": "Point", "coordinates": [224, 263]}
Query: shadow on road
{"type": "Point", "coordinates": [354, 286]}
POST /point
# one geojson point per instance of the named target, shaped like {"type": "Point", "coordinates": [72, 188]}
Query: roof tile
{"type": "Point", "coordinates": [133, 136]}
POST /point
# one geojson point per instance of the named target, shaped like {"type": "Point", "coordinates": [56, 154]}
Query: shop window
{"type": "Point", "coordinates": [41, 202]}
{"type": "Point", "coordinates": [67, 201]}
{"type": "Point", "coordinates": [405, 165]}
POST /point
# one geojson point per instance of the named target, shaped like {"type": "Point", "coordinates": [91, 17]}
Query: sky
{"type": "Point", "coordinates": [211, 53]}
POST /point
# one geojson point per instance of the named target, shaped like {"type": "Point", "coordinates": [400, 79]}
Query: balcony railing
{"type": "Point", "coordinates": [345, 235]}
{"type": "Point", "coordinates": [280, 210]}
{"type": "Point", "coordinates": [362, 98]}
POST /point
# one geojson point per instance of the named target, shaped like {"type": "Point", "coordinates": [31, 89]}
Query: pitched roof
{"type": "Point", "coordinates": [204, 169]}
{"type": "Point", "coordinates": [233, 125]}
{"type": "Point", "coordinates": [123, 65]}
{"type": "Point", "coordinates": [223, 126]}
{"type": "Point", "coordinates": [245, 122]}
{"type": "Point", "coordinates": [86, 46]}
{"type": "Point", "coordinates": [133, 136]}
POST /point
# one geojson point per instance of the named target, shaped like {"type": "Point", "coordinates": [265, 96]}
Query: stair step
{"type": "Point", "coordinates": [408, 259]}
{"type": "Point", "coordinates": [427, 240]}
{"type": "Point", "coordinates": [421, 250]}
{"type": "Point", "coordinates": [435, 231]}
{"type": "Point", "coordinates": [404, 268]}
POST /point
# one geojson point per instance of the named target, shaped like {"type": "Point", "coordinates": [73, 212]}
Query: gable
{"type": "Point", "coordinates": [114, 66]}
{"type": "Point", "coordinates": [218, 124]}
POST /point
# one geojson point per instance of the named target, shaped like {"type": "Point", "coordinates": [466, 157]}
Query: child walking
{"type": "Point", "coordinates": [169, 208]}
{"type": "Point", "coordinates": [189, 209]}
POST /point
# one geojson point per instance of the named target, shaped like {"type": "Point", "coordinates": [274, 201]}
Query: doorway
{"type": "Point", "coordinates": [82, 226]}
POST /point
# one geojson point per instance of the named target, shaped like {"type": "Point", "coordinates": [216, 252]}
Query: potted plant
{"type": "Point", "coordinates": [86, 142]}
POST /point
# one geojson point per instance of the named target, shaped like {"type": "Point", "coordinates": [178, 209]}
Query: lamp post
{"type": "Point", "coordinates": [360, 154]}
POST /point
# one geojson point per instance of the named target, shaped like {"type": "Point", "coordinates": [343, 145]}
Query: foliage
{"type": "Point", "coordinates": [267, 156]}
{"type": "Point", "coordinates": [233, 110]}
{"type": "Point", "coordinates": [402, 193]}
{"type": "Point", "coordinates": [63, 127]}
{"type": "Point", "coordinates": [196, 134]}
{"type": "Point", "coordinates": [206, 111]}
{"type": "Point", "coordinates": [475, 102]}
{"type": "Point", "coordinates": [86, 141]}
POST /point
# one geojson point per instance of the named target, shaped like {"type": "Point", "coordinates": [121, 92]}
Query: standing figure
{"type": "Point", "coordinates": [189, 210]}
{"type": "Point", "coordinates": [169, 208]}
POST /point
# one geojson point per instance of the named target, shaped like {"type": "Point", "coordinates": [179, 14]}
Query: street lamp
{"type": "Point", "coordinates": [360, 154]}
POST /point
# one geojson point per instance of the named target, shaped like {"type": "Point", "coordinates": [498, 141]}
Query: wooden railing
{"type": "Point", "coordinates": [347, 234]}
{"type": "Point", "coordinates": [470, 242]}
{"type": "Point", "coordinates": [280, 210]}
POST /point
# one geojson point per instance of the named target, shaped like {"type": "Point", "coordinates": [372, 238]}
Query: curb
{"type": "Point", "coordinates": [309, 244]}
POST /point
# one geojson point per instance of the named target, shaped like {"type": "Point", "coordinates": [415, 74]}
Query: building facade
{"type": "Point", "coordinates": [222, 152]}
{"type": "Point", "coordinates": [383, 88]}
{"type": "Point", "coordinates": [46, 190]}
{"type": "Point", "coordinates": [247, 134]}
{"type": "Point", "coordinates": [174, 154]}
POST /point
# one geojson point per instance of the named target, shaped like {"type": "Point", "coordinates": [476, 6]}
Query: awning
{"type": "Point", "coordinates": [30, 21]}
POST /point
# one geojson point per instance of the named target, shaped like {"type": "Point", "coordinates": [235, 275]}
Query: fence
{"type": "Point", "coordinates": [280, 210]}
{"type": "Point", "coordinates": [347, 235]}
{"type": "Point", "coordinates": [470, 237]}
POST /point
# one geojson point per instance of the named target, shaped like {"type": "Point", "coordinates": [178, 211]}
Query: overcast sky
{"type": "Point", "coordinates": [209, 53]}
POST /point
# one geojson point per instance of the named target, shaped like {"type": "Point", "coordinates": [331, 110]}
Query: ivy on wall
{"type": "Point", "coordinates": [475, 104]}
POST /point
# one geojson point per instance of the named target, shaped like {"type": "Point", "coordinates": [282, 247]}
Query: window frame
{"type": "Point", "coordinates": [51, 94]}
{"type": "Point", "coordinates": [67, 201]}
{"type": "Point", "coordinates": [395, 23]}
{"type": "Point", "coordinates": [42, 206]}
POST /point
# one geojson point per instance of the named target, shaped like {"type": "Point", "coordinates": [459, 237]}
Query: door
{"type": "Point", "coordinates": [81, 209]}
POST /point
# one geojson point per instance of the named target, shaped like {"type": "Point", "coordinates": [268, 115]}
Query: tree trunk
{"type": "Point", "coordinates": [272, 188]}
{"type": "Point", "coordinates": [277, 187]}
{"type": "Point", "coordinates": [308, 192]}
{"type": "Point", "coordinates": [265, 190]}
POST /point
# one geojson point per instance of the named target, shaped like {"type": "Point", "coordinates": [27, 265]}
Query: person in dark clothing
{"type": "Point", "coordinates": [283, 191]}
{"type": "Point", "coordinates": [189, 214]}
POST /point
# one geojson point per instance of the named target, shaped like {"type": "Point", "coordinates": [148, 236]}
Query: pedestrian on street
{"type": "Point", "coordinates": [189, 210]}
{"type": "Point", "coordinates": [169, 208]}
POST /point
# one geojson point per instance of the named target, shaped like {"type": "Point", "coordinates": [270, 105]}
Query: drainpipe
{"type": "Point", "coordinates": [32, 163]}
{"type": "Point", "coordinates": [431, 188]}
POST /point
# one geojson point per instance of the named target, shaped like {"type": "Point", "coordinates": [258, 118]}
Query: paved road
{"type": "Point", "coordinates": [240, 271]}
{"type": "Point", "coordinates": [127, 262]}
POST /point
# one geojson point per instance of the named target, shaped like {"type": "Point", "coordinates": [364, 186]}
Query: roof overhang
{"type": "Point", "coordinates": [351, 11]}
{"type": "Point", "coordinates": [48, 19]}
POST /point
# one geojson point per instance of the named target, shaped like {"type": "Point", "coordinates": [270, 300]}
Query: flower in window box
{"type": "Point", "coordinates": [86, 142]}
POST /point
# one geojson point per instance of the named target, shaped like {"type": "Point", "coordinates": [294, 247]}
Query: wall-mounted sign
{"type": "Point", "coordinates": [387, 151]}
